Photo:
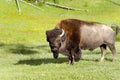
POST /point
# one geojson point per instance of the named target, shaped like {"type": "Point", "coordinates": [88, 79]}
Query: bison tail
{"type": "Point", "coordinates": [117, 28]}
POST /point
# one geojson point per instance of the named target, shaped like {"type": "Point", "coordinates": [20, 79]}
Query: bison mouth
{"type": "Point", "coordinates": [55, 54]}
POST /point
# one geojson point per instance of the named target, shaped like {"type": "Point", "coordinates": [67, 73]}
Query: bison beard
{"type": "Point", "coordinates": [72, 35]}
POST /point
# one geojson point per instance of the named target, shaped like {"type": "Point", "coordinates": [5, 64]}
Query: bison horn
{"type": "Point", "coordinates": [63, 32]}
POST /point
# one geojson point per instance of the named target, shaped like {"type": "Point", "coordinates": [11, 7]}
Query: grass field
{"type": "Point", "coordinates": [25, 54]}
{"type": "Point", "coordinates": [35, 62]}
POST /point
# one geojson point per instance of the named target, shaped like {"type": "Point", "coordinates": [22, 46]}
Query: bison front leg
{"type": "Point", "coordinates": [78, 55]}
{"type": "Point", "coordinates": [71, 57]}
{"type": "Point", "coordinates": [74, 55]}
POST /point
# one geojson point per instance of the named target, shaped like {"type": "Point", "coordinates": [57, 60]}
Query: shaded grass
{"type": "Point", "coordinates": [42, 61]}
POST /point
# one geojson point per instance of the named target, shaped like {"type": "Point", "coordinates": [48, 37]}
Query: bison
{"type": "Point", "coordinates": [71, 35]}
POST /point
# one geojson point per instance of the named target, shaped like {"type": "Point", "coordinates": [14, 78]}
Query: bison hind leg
{"type": "Point", "coordinates": [113, 50]}
{"type": "Point", "coordinates": [103, 50]}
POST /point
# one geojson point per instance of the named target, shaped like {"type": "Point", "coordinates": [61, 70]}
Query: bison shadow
{"type": "Point", "coordinates": [25, 49]}
{"type": "Point", "coordinates": [94, 60]}
{"type": "Point", "coordinates": [35, 62]}
{"type": "Point", "coordinates": [42, 61]}
{"type": "Point", "coordinates": [2, 44]}
{"type": "Point", "coordinates": [97, 60]}
{"type": "Point", "coordinates": [21, 49]}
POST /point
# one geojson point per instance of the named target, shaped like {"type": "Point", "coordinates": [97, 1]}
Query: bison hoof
{"type": "Point", "coordinates": [55, 57]}
{"type": "Point", "coordinates": [71, 63]}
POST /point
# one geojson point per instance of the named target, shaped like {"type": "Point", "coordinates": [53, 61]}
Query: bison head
{"type": "Point", "coordinates": [54, 39]}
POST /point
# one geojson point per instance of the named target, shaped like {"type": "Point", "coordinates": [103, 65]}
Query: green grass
{"type": "Point", "coordinates": [25, 54]}
{"type": "Point", "coordinates": [35, 62]}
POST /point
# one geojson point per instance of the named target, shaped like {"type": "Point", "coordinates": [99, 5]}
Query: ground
{"type": "Point", "coordinates": [25, 53]}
